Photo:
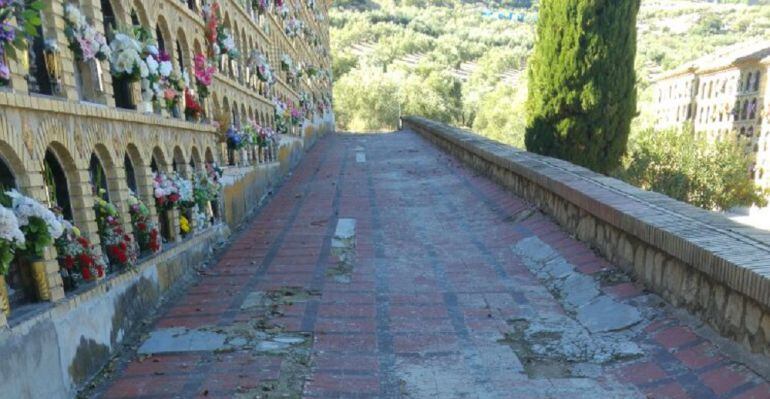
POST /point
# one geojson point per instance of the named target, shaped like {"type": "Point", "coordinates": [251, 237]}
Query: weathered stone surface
{"type": "Point", "coordinates": [171, 340]}
{"type": "Point", "coordinates": [604, 314]}
{"type": "Point", "coordinates": [579, 290]}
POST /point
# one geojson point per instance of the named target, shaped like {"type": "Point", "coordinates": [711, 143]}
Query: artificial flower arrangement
{"type": "Point", "coordinates": [11, 238]}
{"type": "Point", "coordinates": [165, 191]}
{"type": "Point", "coordinates": [206, 188]}
{"type": "Point", "coordinates": [85, 41]}
{"type": "Point", "coordinates": [235, 139]}
{"type": "Point", "coordinates": [126, 60]}
{"type": "Point", "coordinates": [173, 87]}
{"type": "Point", "coordinates": [19, 20]}
{"type": "Point", "coordinates": [280, 111]}
{"type": "Point", "coordinates": [211, 17]}
{"type": "Point", "coordinates": [283, 10]}
{"type": "Point", "coordinates": [258, 61]}
{"type": "Point", "coordinates": [119, 245]}
{"type": "Point", "coordinates": [78, 257]}
{"type": "Point", "coordinates": [184, 224]}
{"type": "Point", "coordinates": [185, 190]}
{"type": "Point", "coordinates": [39, 224]}
{"type": "Point", "coordinates": [286, 62]}
{"type": "Point", "coordinates": [193, 109]}
{"type": "Point", "coordinates": [145, 230]}
{"type": "Point", "coordinates": [159, 73]}
{"type": "Point", "coordinates": [226, 43]}
{"type": "Point", "coordinates": [260, 5]}
{"type": "Point", "coordinates": [204, 74]}
{"type": "Point", "coordinates": [295, 114]}
{"type": "Point", "coordinates": [293, 27]}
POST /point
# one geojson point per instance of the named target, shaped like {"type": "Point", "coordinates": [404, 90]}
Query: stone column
{"type": "Point", "coordinates": [119, 197]}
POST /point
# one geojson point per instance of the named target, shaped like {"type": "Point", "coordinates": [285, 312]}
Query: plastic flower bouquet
{"type": "Point", "coordinates": [165, 191]}
{"type": "Point", "coordinates": [204, 74]}
{"type": "Point", "coordinates": [126, 60]}
{"type": "Point", "coordinates": [260, 5]}
{"type": "Point", "coordinates": [38, 223]}
{"type": "Point", "coordinates": [18, 21]}
{"type": "Point", "coordinates": [11, 238]}
{"type": "Point", "coordinates": [286, 62]}
{"type": "Point", "coordinates": [193, 110]}
{"type": "Point", "coordinates": [145, 230]}
{"type": "Point", "coordinates": [185, 190]}
{"type": "Point", "coordinates": [85, 41]}
{"type": "Point", "coordinates": [226, 43]}
{"type": "Point", "coordinates": [78, 258]}
{"type": "Point", "coordinates": [118, 244]}
{"type": "Point", "coordinates": [234, 139]}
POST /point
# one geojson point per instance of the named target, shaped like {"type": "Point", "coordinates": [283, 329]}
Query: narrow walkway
{"type": "Point", "coordinates": [383, 268]}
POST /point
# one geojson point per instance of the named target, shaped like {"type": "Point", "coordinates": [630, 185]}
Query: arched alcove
{"type": "Point", "coordinates": [98, 177]}
{"type": "Point", "coordinates": [57, 168]}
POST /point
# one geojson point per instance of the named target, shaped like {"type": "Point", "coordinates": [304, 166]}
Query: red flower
{"type": "Point", "coordinates": [141, 226]}
{"type": "Point", "coordinates": [83, 242]}
{"type": "Point", "coordinates": [100, 270]}
{"type": "Point", "coordinates": [69, 262]}
{"type": "Point", "coordinates": [86, 272]}
{"type": "Point", "coordinates": [85, 260]}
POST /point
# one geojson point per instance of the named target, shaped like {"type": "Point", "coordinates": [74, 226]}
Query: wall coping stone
{"type": "Point", "coordinates": [735, 255]}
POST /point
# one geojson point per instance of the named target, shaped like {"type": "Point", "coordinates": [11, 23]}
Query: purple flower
{"type": "Point", "coordinates": [5, 73]}
{"type": "Point", "coordinates": [7, 32]}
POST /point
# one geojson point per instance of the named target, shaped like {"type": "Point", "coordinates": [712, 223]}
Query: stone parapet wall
{"type": "Point", "coordinates": [717, 269]}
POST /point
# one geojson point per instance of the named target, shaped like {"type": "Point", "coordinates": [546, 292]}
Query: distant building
{"type": "Point", "coordinates": [720, 94]}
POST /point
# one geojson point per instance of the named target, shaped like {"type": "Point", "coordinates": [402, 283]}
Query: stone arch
{"type": "Point", "coordinates": [209, 156]}
{"type": "Point", "coordinates": [134, 165]}
{"type": "Point", "coordinates": [111, 177]}
{"type": "Point", "coordinates": [163, 36]}
{"type": "Point", "coordinates": [178, 162]}
{"type": "Point", "coordinates": [197, 48]}
{"type": "Point", "coordinates": [12, 170]}
{"type": "Point", "coordinates": [182, 56]}
{"type": "Point", "coordinates": [141, 14]}
{"type": "Point", "coordinates": [61, 177]}
{"type": "Point", "coordinates": [158, 162]}
{"type": "Point", "coordinates": [195, 159]}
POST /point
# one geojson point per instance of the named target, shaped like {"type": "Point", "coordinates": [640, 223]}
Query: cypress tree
{"type": "Point", "coordinates": [582, 84]}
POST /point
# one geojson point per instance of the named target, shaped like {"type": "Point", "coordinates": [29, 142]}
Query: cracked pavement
{"type": "Point", "coordinates": [383, 268]}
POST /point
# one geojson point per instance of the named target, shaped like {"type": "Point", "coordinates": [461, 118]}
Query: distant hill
{"type": "Point", "coordinates": [486, 55]}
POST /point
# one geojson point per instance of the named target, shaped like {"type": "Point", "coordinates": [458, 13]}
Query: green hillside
{"type": "Point", "coordinates": [462, 62]}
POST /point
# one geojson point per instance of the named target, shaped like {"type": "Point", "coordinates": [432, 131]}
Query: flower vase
{"type": "Point", "coordinates": [40, 278]}
{"type": "Point", "coordinates": [5, 303]}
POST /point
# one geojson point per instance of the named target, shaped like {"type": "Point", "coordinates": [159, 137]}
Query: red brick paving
{"type": "Point", "coordinates": [433, 285]}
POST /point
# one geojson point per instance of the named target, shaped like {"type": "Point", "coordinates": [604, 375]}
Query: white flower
{"type": "Point", "coordinates": [9, 227]}
{"type": "Point", "coordinates": [144, 72]}
{"type": "Point", "coordinates": [26, 208]}
{"type": "Point", "coordinates": [73, 14]}
{"type": "Point", "coordinates": [152, 65]}
{"type": "Point", "coordinates": [152, 49]}
{"type": "Point", "coordinates": [165, 68]}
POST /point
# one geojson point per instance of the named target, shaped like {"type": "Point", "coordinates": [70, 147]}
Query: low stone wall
{"type": "Point", "coordinates": [700, 260]}
{"type": "Point", "coordinates": [57, 347]}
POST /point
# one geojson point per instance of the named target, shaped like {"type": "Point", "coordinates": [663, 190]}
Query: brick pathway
{"type": "Point", "coordinates": [438, 294]}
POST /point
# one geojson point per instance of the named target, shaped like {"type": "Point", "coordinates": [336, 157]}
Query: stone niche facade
{"type": "Point", "coordinates": [65, 338]}
{"type": "Point", "coordinates": [695, 259]}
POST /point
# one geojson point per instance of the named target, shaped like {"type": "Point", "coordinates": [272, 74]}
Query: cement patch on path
{"type": "Point", "coordinates": [169, 340]}
{"type": "Point", "coordinates": [595, 331]}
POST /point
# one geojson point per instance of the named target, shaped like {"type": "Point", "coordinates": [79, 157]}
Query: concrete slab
{"type": "Point", "coordinates": [176, 339]}
{"type": "Point", "coordinates": [604, 315]}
